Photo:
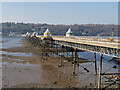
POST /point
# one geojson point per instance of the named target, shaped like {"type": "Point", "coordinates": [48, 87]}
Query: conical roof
{"type": "Point", "coordinates": [34, 34]}
{"type": "Point", "coordinates": [69, 31]}
{"type": "Point", "coordinates": [47, 31]}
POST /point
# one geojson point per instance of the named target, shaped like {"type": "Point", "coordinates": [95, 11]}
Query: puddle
{"type": "Point", "coordinates": [11, 42]}
{"type": "Point", "coordinates": [27, 64]}
{"type": "Point", "coordinates": [18, 54]}
{"type": "Point", "coordinates": [14, 63]}
{"type": "Point", "coordinates": [4, 62]}
{"type": "Point", "coordinates": [13, 59]}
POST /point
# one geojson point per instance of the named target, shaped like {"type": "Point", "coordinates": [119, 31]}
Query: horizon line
{"type": "Point", "coordinates": [60, 23]}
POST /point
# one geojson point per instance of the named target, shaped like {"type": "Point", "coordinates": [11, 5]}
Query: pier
{"type": "Point", "coordinates": [68, 49]}
{"type": "Point", "coordinates": [110, 48]}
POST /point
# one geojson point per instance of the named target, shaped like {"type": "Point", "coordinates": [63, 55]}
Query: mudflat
{"type": "Point", "coordinates": [23, 67]}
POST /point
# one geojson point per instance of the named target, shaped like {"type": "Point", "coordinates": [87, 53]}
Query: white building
{"type": "Point", "coordinates": [69, 33]}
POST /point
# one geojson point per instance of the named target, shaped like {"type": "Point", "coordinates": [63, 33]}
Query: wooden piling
{"type": "Point", "coordinates": [74, 64]}
{"type": "Point", "coordinates": [57, 51]}
{"type": "Point", "coordinates": [43, 53]}
{"type": "Point", "coordinates": [96, 81]}
{"type": "Point", "coordinates": [95, 63]}
{"type": "Point", "coordinates": [61, 63]}
{"type": "Point", "coordinates": [67, 53]}
{"type": "Point", "coordinates": [100, 70]}
{"type": "Point", "coordinates": [72, 53]}
{"type": "Point", "coordinates": [77, 57]}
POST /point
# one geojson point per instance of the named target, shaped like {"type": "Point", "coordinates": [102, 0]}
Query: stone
{"type": "Point", "coordinates": [54, 82]}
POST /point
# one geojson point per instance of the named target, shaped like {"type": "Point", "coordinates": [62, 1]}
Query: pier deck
{"type": "Point", "coordinates": [104, 46]}
{"type": "Point", "coordinates": [105, 43]}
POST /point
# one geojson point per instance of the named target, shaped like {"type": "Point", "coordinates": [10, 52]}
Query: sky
{"type": "Point", "coordinates": [61, 12]}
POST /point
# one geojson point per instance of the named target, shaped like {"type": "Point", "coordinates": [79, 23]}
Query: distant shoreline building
{"type": "Point", "coordinates": [69, 33]}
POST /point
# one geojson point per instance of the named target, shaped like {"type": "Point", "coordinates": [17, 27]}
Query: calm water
{"type": "Point", "coordinates": [11, 42]}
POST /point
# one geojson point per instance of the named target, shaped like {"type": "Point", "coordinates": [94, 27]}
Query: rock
{"type": "Point", "coordinates": [69, 78]}
{"type": "Point", "coordinates": [68, 87]}
{"type": "Point", "coordinates": [55, 83]}
{"type": "Point", "coordinates": [59, 77]}
{"type": "Point", "coordinates": [5, 85]}
{"type": "Point", "coordinates": [60, 65]}
{"type": "Point", "coordinates": [90, 84]}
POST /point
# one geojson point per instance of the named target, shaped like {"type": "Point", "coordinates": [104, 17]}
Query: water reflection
{"type": "Point", "coordinates": [11, 42]}
{"type": "Point", "coordinates": [18, 54]}
{"type": "Point", "coordinates": [15, 63]}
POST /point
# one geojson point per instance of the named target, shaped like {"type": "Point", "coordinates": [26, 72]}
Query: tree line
{"type": "Point", "coordinates": [77, 29]}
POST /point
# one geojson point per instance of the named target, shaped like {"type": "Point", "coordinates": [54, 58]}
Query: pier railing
{"type": "Point", "coordinates": [106, 48]}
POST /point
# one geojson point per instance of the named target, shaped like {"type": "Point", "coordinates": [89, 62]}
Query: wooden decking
{"type": "Point", "coordinates": [90, 41]}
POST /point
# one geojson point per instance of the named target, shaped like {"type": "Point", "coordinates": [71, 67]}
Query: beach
{"type": "Point", "coordinates": [22, 67]}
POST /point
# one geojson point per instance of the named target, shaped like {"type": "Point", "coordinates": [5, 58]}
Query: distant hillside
{"type": "Point", "coordinates": [78, 30]}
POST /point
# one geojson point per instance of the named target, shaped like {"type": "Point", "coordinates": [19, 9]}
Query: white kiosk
{"type": "Point", "coordinates": [69, 33]}
{"type": "Point", "coordinates": [34, 34]}
{"type": "Point", "coordinates": [47, 34]}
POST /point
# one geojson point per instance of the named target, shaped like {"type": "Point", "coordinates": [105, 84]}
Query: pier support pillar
{"type": "Point", "coordinates": [72, 53]}
{"type": "Point", "coordinates": [74, 64]}
{"type": "Point", "coordinates": [100, 70]}
{"type": "Point", "coordinates": [57, 51]}
{"type": "Point", "coordinates": [95, 63]}
{"type": "Point", "coordinates": [77, 57]}
{"type": "Point", "coordinates": [61, 63]}
{"type": "Point", "coordinates": [43, 53]}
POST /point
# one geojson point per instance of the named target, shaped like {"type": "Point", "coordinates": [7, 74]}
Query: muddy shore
{"type": "Point", "coordinates": [27, 70]}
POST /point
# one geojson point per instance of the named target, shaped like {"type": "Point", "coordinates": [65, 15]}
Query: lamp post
{"type": "Point", "coordinates": [112, 32]}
